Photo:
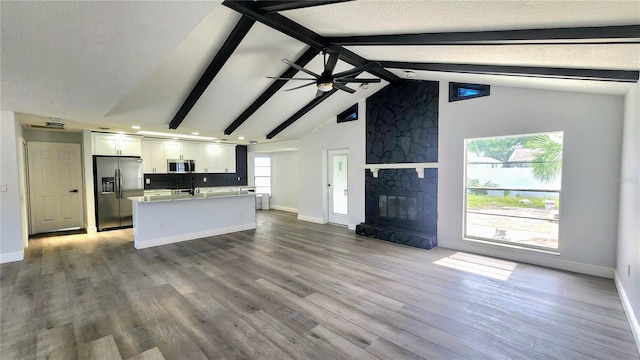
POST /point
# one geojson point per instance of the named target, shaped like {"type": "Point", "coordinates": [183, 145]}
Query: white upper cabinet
{"type": "Point", "coordinates": [208, 157]}
{"type": "Point", "coordinates": [173, 150]}
{"type": "Point", "coordinates": [194, 151]}
{"type": "Point", "coordinates": [116, 144]}
{"type": "Point", "coordinates": [154, 160]}
{"type": "Point", "coordinates": [219, 158]}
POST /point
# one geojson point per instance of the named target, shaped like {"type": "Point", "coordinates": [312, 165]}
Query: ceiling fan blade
{"type": "Point", "coordinates": [280, 78]}
{"type": "Point", "coordinates": [300, 68]}
{"type": "Point", "coordinates": [301, 86]}
{"type": "Point", "coordinates": [343, 88]}
{"type": "Point", "coordinates": [331, 63]}
{"type": "Point", "coordinates": [356, 70]}
{"type": "Point", "coordinates": [357, 81]}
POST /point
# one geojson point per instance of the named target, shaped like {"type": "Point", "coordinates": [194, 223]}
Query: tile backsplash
{"type": "Point", "coordinates": [184, 181]}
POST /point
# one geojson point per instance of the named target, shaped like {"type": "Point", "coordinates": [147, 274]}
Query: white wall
{"type": "Point", "coordinates": [592, 126]}
{"type": "Point", "coordinates": [312, 166]}
{"type": "Point", "coordinates": [87, 171]}
{"type": "Point", "coordinates": [284, 177]}
{"type": "Point", "coordinates": [629, 214]}
{"type": "Point", "coordinates": [11, 228]}
{"type": "Point", "coordinates": [284, 180]}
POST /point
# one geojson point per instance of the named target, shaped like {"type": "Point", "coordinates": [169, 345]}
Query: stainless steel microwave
{"type": "Point", "coordinates": [181, 166]}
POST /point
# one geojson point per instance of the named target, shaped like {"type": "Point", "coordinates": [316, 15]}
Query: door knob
{"type": "Point", "coordinates": [74, 190]}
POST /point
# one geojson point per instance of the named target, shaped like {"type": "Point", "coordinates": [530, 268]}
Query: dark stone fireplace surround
{"type": "Point", "coordinates": [402, 127]}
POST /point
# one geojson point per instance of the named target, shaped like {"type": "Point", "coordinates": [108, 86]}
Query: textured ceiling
{"type": "Point", "coordinates": [116, 64]}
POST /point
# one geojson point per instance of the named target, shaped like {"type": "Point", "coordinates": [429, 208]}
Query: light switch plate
{"type": "Point", "coordinates": [204, 179]}
{"type": "Point", "coordinates": [148, 181]}
{"type": "Point", "coordinates": [3, 187]}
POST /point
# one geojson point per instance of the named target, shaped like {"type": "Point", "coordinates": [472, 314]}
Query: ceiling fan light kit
{"type": "Point", "coordinates": [328, 81]}
{"type": "Point", "coordinates": [325, 86]}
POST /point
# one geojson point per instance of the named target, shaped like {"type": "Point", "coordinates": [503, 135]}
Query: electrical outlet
{"type": "Point", "coordinates": [628, 269]}
{"type": "Point", "coordinates": [162, 225]}
{"type": "Point", "coordinates": [204, 179]}
{"type": "Point", "coordinates": [148, 181]}
{"type": "Point", "coordinates": [3, 187]}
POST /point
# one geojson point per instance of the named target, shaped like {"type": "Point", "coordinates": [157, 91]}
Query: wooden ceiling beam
{"type": "Point", "coordinates": [291, 28]}
{"type": "Point", "coordinates": [271, 90]}
{"type": "Point", "coordinates": [624, 34]}
{"type": "Point", "coordinates": [273, 6]}
{"type": "Point", "coordinates": [525, 71]}
{"type": "Point", "coordinates": [300, 113]}
{"type": "Point", "coordinates": [237, 34]}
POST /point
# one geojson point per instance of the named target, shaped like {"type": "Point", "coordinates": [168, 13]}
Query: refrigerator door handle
{"type": "Point", "coordinates": [116, 183]}
{"type": "Point", "coordinates": [120, 183]}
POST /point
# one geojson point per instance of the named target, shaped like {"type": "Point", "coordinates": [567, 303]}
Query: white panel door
{"type": "Point", "coordinates": [55, 183]}
{"type": "Point", "coordinates": [338, 186]}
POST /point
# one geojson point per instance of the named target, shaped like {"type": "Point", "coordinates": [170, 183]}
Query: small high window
{"type": "Point", "coordinates": [460, 91]}
{"type": "Point", "coordinates": [350, 114]}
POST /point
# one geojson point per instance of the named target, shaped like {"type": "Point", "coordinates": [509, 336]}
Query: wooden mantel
{"type": "Point", "coordinates": [374, 168]}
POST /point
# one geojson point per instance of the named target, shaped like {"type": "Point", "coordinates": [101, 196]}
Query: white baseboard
{"type": "Point", "coordinates": [529, 257]}
{"type": "Point", "coordinates": [626, 305]}
{"type": "Point", "coordinates": [92, 230]}
{"type": "Point", "coordinates": [192, 236]}
{"type": "Point", "coordinates": [352, 226]}
{"type": "Point", "coordinates": [12, 257]}
{"type": "Point", "coordinates": [284, 208]}
{"type": "Point", "coordinates": [311, 219]}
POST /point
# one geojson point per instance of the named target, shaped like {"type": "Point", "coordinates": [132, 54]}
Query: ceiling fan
{"type": "Point", "coordinates": [327, 81]}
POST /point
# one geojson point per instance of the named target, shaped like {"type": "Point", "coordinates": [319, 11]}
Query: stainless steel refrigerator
{"type": "Point", "coordinates": [115, 179]}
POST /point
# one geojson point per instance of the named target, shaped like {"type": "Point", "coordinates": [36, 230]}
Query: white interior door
{"type": "Point", "coordinates": [338, 186]}
{"type": "Point", "coordinates": [55, 183]}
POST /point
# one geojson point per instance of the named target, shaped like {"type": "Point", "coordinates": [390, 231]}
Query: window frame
{"type": "Point", "coordinates": [466, 188]}
{"type": "Point", "coordinates": [255, 166]}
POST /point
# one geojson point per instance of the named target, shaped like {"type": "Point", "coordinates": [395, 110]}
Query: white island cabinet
{"type": "Point", "coordinates": [165, 220]}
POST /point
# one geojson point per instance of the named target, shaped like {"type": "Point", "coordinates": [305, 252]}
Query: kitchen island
{"type": "Point", "coordinates": [161, 220]}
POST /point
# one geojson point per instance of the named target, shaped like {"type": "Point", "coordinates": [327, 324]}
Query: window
{"type": "Point", "coordinates": [512, 192]}
{"type": "Point", "coordinates": [458, 91]}
{"type": "Point", "coordinates": [262, 174]}
{"type": "Point", "coordinates": [350, 114]}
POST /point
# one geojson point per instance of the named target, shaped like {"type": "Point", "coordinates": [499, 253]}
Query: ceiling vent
{"type": "Point", "coordinates": [48, 126]}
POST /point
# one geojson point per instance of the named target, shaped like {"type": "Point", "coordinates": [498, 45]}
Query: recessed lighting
{"type": "Point", "coordinates": [218, 141]}
{"type": "Point", "coordinates": [174, 138]}
{"type": "Point", "coordinates": [240, 137]}
{"type": "Point", "coordinates": [135, 127]}
{"type": "Point", "coordinates": [195, 133]}
{"type": "Point", "coordinates": [172, 135]}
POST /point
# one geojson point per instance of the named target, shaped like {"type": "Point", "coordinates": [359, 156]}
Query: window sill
{"type": "Point", "coordinates": [512, 246]}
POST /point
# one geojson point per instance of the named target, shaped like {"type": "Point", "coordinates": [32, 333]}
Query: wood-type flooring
{"type": "Point", "coordinates": [297, 290]}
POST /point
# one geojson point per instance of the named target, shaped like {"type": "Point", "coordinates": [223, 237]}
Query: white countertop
{"type": "Point", "coordinates": [165, 198]}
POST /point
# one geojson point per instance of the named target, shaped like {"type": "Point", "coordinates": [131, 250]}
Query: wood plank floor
{"type": "Point", "coordinates": [296, 290]}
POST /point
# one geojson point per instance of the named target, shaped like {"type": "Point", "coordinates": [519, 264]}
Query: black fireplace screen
{"type": "Point", "coordinates": [396, 207]}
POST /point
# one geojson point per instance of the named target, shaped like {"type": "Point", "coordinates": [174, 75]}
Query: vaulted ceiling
{"type": "Point", "coordinates": [203, 66]}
